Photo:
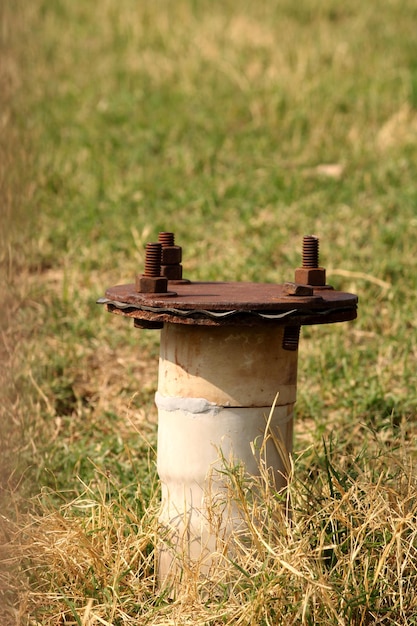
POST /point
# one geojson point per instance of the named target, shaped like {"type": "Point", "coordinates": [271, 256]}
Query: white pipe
{"type": "Point", "coordinates": [216, 387]}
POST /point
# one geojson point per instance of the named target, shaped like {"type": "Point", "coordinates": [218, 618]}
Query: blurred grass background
{"type": "Point", "coordinates": [241, 128]}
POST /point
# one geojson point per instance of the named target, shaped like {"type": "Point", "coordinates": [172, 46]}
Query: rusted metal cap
{"type": "Point", "coordinates": [219, 303]}
{"type": "Point", "coordinates": [305, 301]}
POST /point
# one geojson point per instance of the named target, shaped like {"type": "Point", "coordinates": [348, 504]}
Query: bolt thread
{"type": "Point", "coordinates": [291, 338]}
{"type": "Point", "coordinates": [310, 251]}
{"type": "Point", "coordinates": [153, 260]}
{"type": "Point", "coordinates": [166, 239]}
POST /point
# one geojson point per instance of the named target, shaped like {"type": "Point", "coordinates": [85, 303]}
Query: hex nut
{"type": "Point", "coordinates": [172, 272]}
{"type": "Point", "coordinates": [314, 276]}
{"type": "Point", "coordinates": [171, 255]}
{"type": "Point", "coordinates": [151, 284]}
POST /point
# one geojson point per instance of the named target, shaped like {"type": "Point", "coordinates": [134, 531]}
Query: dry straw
{"type": "Point", "coordinates": [338, 546]}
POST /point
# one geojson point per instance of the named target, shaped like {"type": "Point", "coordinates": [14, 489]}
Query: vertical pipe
{"type": "Point", "coordinates": [216, 386]}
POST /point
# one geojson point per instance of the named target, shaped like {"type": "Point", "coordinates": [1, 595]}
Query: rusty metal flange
{"type": "Point", "coordinates": [225, 303]}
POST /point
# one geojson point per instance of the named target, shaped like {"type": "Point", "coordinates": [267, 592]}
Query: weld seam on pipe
{"type": "Point", "coordinates": [201, 406]}
{"type": "Point", "coordinates": [188, 405]}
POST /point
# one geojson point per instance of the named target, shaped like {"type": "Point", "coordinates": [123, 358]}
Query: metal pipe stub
{"type": "Point", "coordinates": [228, 354]}
{"type": "Point", "coordinates": [307, 300]}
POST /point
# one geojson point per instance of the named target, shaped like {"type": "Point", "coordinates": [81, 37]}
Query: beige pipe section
{"type": "Point", "coordinates": [216, 388]}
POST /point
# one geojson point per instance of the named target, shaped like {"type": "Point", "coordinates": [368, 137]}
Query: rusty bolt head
{"type": "Point", "coordinates": [314, 276]}
{"type": "Point", "coordinates": [151, 284]}
{"type": "Point", "coordinates": [171, 255]}
{"type": "Point", "coordinates": [172, 272]}
{"type": "Point", "coordinates": [295, 289]}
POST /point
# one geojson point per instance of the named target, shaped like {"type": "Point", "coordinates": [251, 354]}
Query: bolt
{"type": "Point", "coordinates": [310, 273]}
{"type": "Point", "coordinates": [151, 280]}
{"type": "Point", "coordinates": [291, 338]}
{"type": "Point", "coordinates": [153, 259]}
{"type": "Point", "coordinates": [310, 251]}
{"type": "Point", "coordinates": [171, 257]}
{"type": "Point", "coordinates": [166, 239]}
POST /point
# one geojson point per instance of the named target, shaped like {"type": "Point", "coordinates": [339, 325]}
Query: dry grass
{"type": "Point", "coordinates": [346, 555]}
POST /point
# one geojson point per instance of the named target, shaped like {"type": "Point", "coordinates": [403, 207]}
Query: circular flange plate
{"type": "Point", "coordinates": [231, 302]}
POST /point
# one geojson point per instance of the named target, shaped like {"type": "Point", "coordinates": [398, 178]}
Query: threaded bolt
{"type": "Point", "coordinates": [310, 251]}
{"type": "Point", "coordinates": [166, 239]}
{"type": "Point", "coordinates": [291, 338]}
{"type": "Point", "coordinates": [153, 260]}
{"type": "Point", "coordinates": [171, 257]}
{"type": "Point", "coordinates": [310, 273]}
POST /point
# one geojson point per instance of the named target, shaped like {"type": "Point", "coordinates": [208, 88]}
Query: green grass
{"type": "Point", "coordinates": [241, 127]}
